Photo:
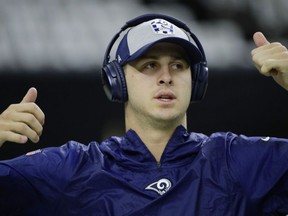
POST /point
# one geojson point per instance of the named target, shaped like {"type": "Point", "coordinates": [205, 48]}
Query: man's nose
{"type": "Point", "coordinates": [165, 76]}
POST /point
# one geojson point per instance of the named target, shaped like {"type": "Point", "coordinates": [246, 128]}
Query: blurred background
{"type": "Point", "coordinates": [57, 46]}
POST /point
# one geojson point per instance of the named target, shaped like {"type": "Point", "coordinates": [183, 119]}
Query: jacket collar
{"type": "Point", "coordinates": [129, 150]}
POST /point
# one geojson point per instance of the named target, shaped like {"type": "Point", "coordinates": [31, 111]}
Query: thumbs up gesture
{"type": "Point", "coordinates": [271, 59]}
{"type": "Point", "coordinates": [22, 121]}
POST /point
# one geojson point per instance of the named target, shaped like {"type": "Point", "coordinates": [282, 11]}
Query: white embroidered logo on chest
{"type": "Point", "coordinates": [160, 187]}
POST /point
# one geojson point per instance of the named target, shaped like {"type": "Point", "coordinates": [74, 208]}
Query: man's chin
{"type": "Point", "coordinates": [169, 120]}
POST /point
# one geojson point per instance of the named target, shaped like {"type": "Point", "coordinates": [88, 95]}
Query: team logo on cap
{"type": "Point", "coordinates": [161, 26]}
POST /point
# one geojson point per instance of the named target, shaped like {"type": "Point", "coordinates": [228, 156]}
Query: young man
{"type": "Point", "coordinates": [157, 167]}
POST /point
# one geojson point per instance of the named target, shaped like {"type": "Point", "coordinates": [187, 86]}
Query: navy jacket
{"type": "Point", "coordinates": [221, 174]}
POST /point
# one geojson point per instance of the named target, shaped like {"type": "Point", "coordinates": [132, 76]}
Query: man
{"type": "Point", "coordinates": [157, 167]}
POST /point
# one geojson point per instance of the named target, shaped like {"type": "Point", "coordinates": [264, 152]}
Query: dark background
{"type": "Point", "coordinates": [76, 108]}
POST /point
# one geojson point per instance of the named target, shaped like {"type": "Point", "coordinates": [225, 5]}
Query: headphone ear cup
{"type": "Point", "coordinates": [114, 82]}
{"type": "Point", "coordinates": [199, 82]}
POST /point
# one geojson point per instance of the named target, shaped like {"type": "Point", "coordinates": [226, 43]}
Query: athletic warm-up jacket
{"type": "Point", "coordinates": [222, 174]}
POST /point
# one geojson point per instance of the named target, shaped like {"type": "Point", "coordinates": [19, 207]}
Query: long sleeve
{"type": "Point", "coordinates": [36, 180]}
{"type": "Point", "coordinates": [260, 166]}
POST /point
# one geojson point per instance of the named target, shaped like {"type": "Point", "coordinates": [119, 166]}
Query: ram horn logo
{"type": "Point", "coordinates": [160, 187]}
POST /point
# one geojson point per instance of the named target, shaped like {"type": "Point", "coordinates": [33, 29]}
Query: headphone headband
{"type": "Point", "coordinates": [144, 18]}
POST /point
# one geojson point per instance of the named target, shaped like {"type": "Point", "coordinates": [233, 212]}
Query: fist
{"type": "Point", "coordinates": [22, 121]}
{"type": "Point", "coordinates": [271, 59]}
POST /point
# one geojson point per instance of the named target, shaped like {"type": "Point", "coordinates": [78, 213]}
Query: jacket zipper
{"type": "Point", "coordinates": [159, 166]}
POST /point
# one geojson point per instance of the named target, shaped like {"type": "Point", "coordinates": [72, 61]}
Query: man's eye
{"type": "Point", "coordinates": [177, 66]}
{"type": "Point", "coordinates": [149, 66]}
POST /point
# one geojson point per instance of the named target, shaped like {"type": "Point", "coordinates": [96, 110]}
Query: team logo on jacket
{"type": "Point", "coordinates": [160, 187]}
{"type": "Point", "coordinates": [34, 152]}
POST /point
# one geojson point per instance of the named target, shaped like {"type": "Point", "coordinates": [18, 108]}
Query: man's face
{"type": "Point", "coordinates": [159, 85]}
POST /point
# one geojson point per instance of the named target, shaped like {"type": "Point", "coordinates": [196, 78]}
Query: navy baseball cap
{"type": "Point", "coordinates": [140, 38]}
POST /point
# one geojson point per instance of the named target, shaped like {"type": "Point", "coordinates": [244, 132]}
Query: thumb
{"type": "Point", "coordinates": [260, 39]}
{"type": "Point", "coordinates": [30, 96]}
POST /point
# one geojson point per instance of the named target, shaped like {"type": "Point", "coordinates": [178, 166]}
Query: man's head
{"type": "Point", "coordinates": [143, 33]}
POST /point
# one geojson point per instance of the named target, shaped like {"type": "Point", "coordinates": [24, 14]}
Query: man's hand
{"type": "Point", "coordinates": [22, 121]}
{"type": "Point", "coordinates": [271, 59]}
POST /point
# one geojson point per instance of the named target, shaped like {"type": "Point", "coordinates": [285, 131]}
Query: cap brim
{"type": "Point", "coordinates": [193, 53]}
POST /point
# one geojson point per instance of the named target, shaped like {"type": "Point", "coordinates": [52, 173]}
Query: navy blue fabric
{"type": "Point", "coordinates": [221, 174]}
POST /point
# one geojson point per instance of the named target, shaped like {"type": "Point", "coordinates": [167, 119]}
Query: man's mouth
{"type": "Point", "coordinates": [165, 96]}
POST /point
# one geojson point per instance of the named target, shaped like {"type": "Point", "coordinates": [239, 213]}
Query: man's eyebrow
{"type": "Point", "coordinates": [176, 57]}
{"type": "Point", "coordinates": [145, 57]}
